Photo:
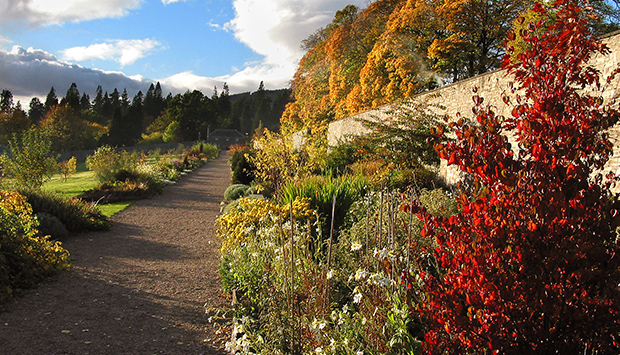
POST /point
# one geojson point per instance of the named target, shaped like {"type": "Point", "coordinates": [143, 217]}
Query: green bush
{"type": "Point", "coordinates": [241, 167]}
{"type": "Point", "coordinates": [235, 191]}
{"type": "Point", "coordinates": [25, 258]}
{"type": "Point", "coordinates": [209, 150]}
{"type": "Point", "coordinates": [75, 214]}
{"type": "Point", "coordinates": [51, 225]}
{"type": "Point", "coordinates": [346, 153]}
{"type": "Point", "coordinates": [420, 177]}
{"type": "Point", "coordinates": [107, 163]}
{"type": "Point", "coordinates": [30, 162]}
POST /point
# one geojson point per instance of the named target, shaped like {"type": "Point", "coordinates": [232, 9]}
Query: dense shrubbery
{"type": "Point", "coordinates": [75, 214]}
{"type": "Point", "coordinates": [25, 257]}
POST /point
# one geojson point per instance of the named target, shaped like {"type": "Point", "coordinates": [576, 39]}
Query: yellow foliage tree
{"type": "Point", "coordinates": [67, 167]}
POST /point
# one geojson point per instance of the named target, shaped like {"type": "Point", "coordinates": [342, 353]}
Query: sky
{"type": "Point", "coordinates": [129, 44]}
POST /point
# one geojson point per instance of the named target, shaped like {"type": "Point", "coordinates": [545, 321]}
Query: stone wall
{"type": "Point", "coordinates": [458, 98]}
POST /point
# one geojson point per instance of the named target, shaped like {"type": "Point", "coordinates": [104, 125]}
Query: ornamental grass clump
{"type": "Point", "coordinates": [321, 192]}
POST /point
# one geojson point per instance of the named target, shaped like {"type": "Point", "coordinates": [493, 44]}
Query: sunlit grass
{"type": "Point", "coordinates": [114, 208]}
{"type": "Point", "coordinates": [81, 181]}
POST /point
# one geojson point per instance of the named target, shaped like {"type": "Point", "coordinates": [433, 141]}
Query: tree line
{"type": "Point", "coordinates": [75, 122]}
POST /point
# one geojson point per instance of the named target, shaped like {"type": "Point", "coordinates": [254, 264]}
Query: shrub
{"type": "Point", "coordinates": [207, 150]}
{"type": "Point", "coordinates": [25, 258]}
{"type": "Point", "coordinates": [108, 163]}
{"type": "Point", "coordinates": [341, 157]}
{"type": "Point", "coordinates": [531, 264]}
{"type": "Point", "coordinates": [241, 167]}
{"type": "Point", "coordinates": [236, 191]}
{"type": "Point", "coordinates": [51, 225]}
{"type": "Point", "coordinates": [30, 162]}
{"type": "Point", "coordinates": [238, 225]}
{"type": "Point", "coordinates": [75, 214]}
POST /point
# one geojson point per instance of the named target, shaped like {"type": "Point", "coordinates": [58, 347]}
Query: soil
{"type": "Point", "coordinates": [148, 286]}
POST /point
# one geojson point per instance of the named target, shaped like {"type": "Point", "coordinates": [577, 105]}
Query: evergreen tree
{"type": "Point", "coordinates": [72, 97]}
{"type": "Point", "coordinates": [51, 99]}
{"type": "Point", "coordinates": [6, 101]}
{"type": "Point", "coordinates": [98, 102]}
{"type": "Point", "coordinates": [124, 101]}
{"type": "Point", "coordinates": [107, 108]}
{"type": "Point", "coordinates": [224, 107]}
{"type": "Point", "coordinates": [85, 102]}
{"type": "Point", "coordinates": [36, 111]}
{"type": "Point", "coordinates": [262, 104]}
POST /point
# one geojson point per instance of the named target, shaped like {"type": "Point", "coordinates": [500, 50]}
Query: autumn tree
{"type": "Point", "coordinates": [470, 35]}
{"type": "Point", "coordinates": [68, 131]}
{"type": "Point", "coordinates": [67, 168]}
{"type": "Point", "coordinates": [531, 264]}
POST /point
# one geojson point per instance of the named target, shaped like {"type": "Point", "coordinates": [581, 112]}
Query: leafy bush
{"type": "Point", "coordinates": [420, 177]}
{"type": "Point", "coordinates": [237, 226]}
{"type": "Point", "coordinates": [208, 150]}
{"type": "Point", "coordinates": [108, 163]}
{"type": "Point", "coordinates": [342, 156]}
{"type": "Point", "coordinates": [531, 264]}
{"type": "Point", "coordinates": [241, 167]}
{"type": "Point", "coordinates": [29, 163]}
{"type": "Point", "coordinates": [75, 214]}
{"type": "Point", "coordinates": [236, 191]}
{"type": "Point", "coordinates": [25, 258]}
{"type": "Point", "coordinates": [51, 225]}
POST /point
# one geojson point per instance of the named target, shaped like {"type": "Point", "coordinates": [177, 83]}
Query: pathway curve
{"type": "Point", "coordinates": [137, 289]}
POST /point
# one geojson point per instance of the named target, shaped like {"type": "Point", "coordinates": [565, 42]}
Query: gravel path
{"type": "Point", "coordinates": [140, 288]}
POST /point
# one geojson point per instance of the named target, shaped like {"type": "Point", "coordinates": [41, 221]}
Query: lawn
{"type": "Point", "coordinates": [81, 181]}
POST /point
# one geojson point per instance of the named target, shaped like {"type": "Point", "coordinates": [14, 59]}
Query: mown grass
{"type": "Point", "coordinates": [81, 181]}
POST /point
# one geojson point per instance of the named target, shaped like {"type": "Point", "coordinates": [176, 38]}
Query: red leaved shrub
{"type": "Point", "coordinates": [531, 265]}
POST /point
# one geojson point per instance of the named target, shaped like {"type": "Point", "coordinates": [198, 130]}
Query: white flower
{"type": "Point", "coordinates": [345, 308]}
{"type": "Point", "coordinates": [330, 274]}
{"type": "Point", "coordinates": [379, 280]}
{"type": "Point", "coordinates": [356, 246]}
{"type": "Point", "coordinates": [359, 353]}
{"type": "Point", "coordinates": [361, 274]}
{"type": "Point", "coordinates": [381, 254]}
{"type": "Point", "coordinates": [357, 298]}
{"type": "Point", "coordinates": [319, 350]}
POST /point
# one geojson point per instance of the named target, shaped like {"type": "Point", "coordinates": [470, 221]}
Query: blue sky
{"type": "Point", "coordinates": [184, 44]}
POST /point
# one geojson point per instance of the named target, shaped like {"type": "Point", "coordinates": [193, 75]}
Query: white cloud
{"type": "Point", "coordinates": [271, 28]}
{"type": "Point", "coordinates": [125, 52]}
{"type": "Point", "coordinates": [46, 12]}
{"type": "Point", "coordinates": [275, 28]}
{"type": "Point", "coordinates": [32, 72]}
{"type": "Point", "coordinates": [166, 2]}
